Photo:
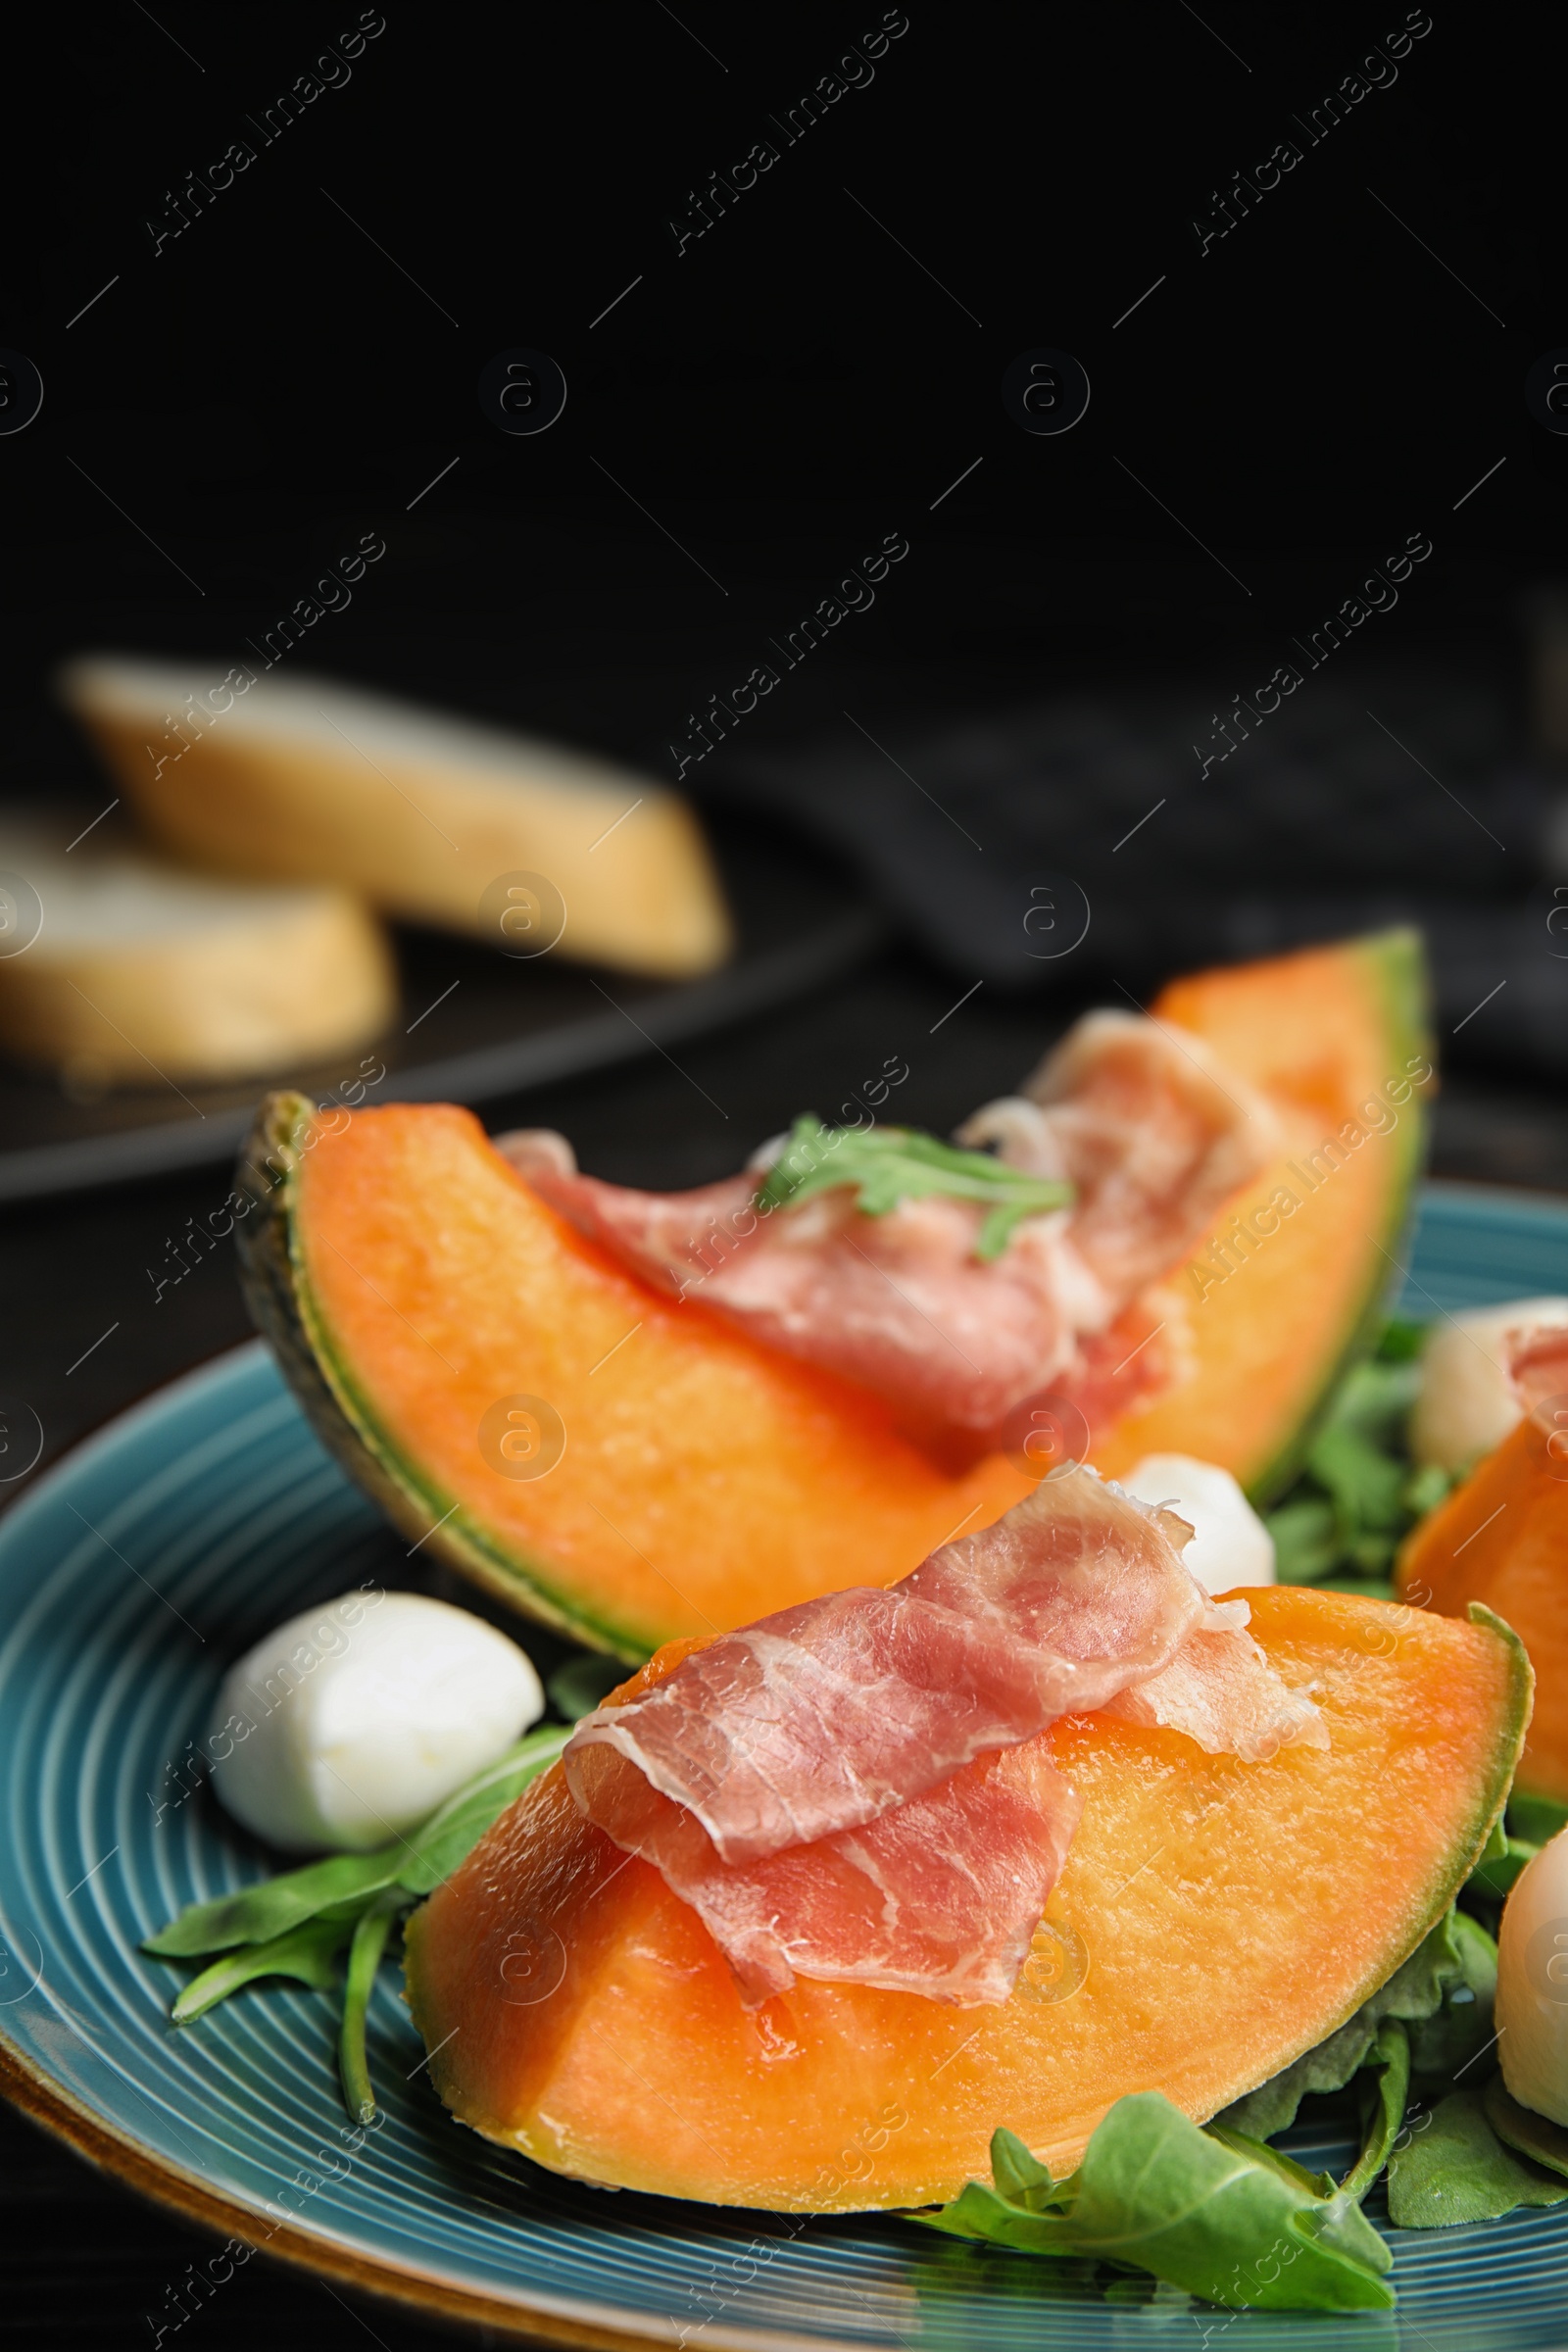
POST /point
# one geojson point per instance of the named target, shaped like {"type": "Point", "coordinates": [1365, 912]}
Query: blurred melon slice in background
{"type": "Point", "coordinates": [424, 815]}
{"type": "Point", "coordinates": [120, 969]}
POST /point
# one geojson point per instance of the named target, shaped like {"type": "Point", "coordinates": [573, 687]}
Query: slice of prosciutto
{"type": "Point", "coordinates": [1221, 1691]}
{"type": "Point", "coordinates": [940, 1897]}
{"type": "Point", "coordinates": [1153, 1134]}
{"type": "Point", "coordinates": [1151, 1129]}
{"type": "Point", "coordinates": [830, 1714]}
{"type": "Point", "coordinates": [858, 1789]}
{"type": "Point", "coordinates": [1537, 1366]}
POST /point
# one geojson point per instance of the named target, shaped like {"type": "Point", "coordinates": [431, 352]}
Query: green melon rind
{"type": "Point", "coordinates": [1522, 1699]}
{"type": "Point", "coordinates": [285, 1311]}
{"type": "Point", "coordinates": [1397, 968]}
{"type": "Point", "coordinates": [1479, 1614]}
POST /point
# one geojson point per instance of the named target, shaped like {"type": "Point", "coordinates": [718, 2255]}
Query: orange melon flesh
{"type": "Point", "coordinates": [1261, 1341]}
{"type": "Point", "coordinates": [1503, 1538]}
{"type": "Point", "coordinates": [1229, 1915]}
{"type": "Point", "coordinates": [705, 1481]}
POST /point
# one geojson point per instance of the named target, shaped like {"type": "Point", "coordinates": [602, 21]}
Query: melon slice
{"type": "Point", "coordinates": [411, 1283]}
{"type": "Point", "coordinates": [1269, 1313]}
{"type": "Point", "coordinates": [315, 783]}
{"type": "Point", "coordinates": [1501, 1538]}
{"type": "Point", "coordinates": [1215, 1921]}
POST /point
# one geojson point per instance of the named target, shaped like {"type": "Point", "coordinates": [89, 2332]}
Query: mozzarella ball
{"type": "Point", "coordinates": [1467, 1405]}
{"type": "Point", "coordinates": [1532, 2007]}
{"type": "Point", "coordinates": [1230, 1543]}
{"type": "Point", "coordinates": [345, 1727]}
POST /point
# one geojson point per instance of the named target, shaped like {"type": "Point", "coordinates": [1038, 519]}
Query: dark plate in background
{"type": "Point", "coordinates": [472, 1026]}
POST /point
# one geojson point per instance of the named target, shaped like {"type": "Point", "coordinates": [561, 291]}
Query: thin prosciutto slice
{"type": "Point", "coordinates": [834, 1712]}
{"type": "Point", "coordinates": [1537, 1366]}
{"type": "Point", "coordinates": [1153, 1134]}
{"type": "Point", "coordinates": [1149, 1126]}
{"type": "Point", "coordinates": [1221, 1691]}
{"type": "Point", "coordinates": [940, 1897]}
{"type": "Point", "coordinates": [858, 1789]}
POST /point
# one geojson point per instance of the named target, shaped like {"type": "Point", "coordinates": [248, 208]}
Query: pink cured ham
{"type": "Point", "coordinates": [1220, 1689]}
{"type": "Point", "coordinates": [897, 1303]}
{"type": "Point", "coordinates": [940, 1897]}
{"type": "Point", "coordinates": [1151, 1129]}
{"type": "Point", "coordinates": [832, 1713]}
{"type": "Point", "coordinates": [1537, 1366]}
{"type": "Point", "coordinates": [1152, 1134]}
{"type": "Point", "coordinates": [856, 1788]}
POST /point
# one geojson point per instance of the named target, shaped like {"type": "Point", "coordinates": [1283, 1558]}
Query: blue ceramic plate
{"type": "Point", "coordinates": [128, 1578]}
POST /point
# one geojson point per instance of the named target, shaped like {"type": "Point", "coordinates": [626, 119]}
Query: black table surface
{"type": "Point", "coordinates": [85, 1334]}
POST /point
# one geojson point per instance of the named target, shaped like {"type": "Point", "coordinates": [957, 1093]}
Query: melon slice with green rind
{"type": "Point", "coordinates": [410, 1282]}
{"type": "Point", "coordinates": [1215, 1921]}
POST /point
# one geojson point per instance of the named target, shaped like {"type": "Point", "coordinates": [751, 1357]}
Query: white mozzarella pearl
{"type": "Point", "coordinates": [345, 1727]}
{"type": "Point", "coordinates": [1532, 2007]}
{"type": "Point", "coordinates": [1230, 1543]}
{"type": "Point", "coordinates": [1467, 1405]}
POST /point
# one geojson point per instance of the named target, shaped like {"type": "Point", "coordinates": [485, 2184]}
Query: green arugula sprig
{"type": "Point", "coordinates": [1209, 2210]}
{"type": "Point", "coordinates": [1459, 2169]}
{"type": "Point", "coordinates": [1359, 1495]}
{"type": "Point", "coordinates": [889, 1164]}
{"type": "Point", "coordinates": [297, 1924]}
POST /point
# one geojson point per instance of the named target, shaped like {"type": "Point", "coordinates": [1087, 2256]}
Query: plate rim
{"type": "Point", "coordinates": [173, 2187]}
{"type": "Point", "coordinates": [166, 2183]}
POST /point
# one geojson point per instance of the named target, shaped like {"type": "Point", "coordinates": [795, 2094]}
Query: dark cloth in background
{"type": "Point", "coordinates": [1383, 795]}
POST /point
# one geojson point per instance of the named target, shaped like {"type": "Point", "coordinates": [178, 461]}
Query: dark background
{"type": "Point", "coordinates": [239, 408]}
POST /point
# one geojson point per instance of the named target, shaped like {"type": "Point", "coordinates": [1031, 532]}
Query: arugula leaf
{"type": "Point", "coordinates": [371, 1932]}
{"type": "Point", "coordinates": [1453, 2036]}
{"type": "Point", "coordinates": [890, 1164]}
{"type": "Point", "coordinates": [1328, 2066]}
{"type": "Point", "coordinates": [297, 1924]}
{"type": "Point", "coordinates": [1209, 2211]}
{"type": "Point", "coordinates": [434, 1852]}
{"type": "Point", "coordinates": [1366, 1485]}
{"type": "Point", "coordinates": [1385, 2086]}
{"type": "Point", "coordinates": [1374, 1399]}
{"type": "Point", "coordinates": [1341, 1524]}
{"type": "Point", "coordinates": [1020, 2176]}
{"type": "Point", "coordinates": [1536, 1817]}
{"type": "Point", "coordinates": [1426, 1488]}
{"type": "Point", "coordinates": [308, 1953]}
{"type": "Point", "coordinates": [261, 1913]}
{"type": "Point", "coordinates": [1306, 1540]}
{"type": "Point", "coordinates": [1492, 1877]}
{"type": "Point", "coordinates": [1454, 1955]}
{"type": "Point", "coordinates": [583, 1683]}
{"type": "Point", "coordinates": [1455, 2169]}
{"type": "Point", "coordinates": [1520, 2128]}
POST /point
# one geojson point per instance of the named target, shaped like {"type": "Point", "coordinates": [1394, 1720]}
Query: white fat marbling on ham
{"type": "Point", "coordinates": [832, 1713]}
{"type": "Point", "coordinates": [1153, 1135]}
